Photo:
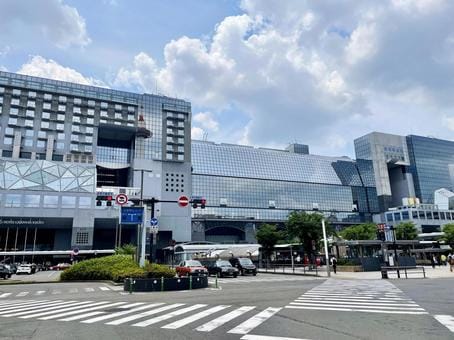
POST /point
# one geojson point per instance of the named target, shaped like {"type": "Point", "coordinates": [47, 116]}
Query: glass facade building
{"type": "Point", "coordinates": [65, 145]}
{"type": "Point", "coordinates": [245, 184]}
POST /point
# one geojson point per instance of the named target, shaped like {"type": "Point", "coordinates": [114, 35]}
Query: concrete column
{"type": "Point", "coordinates": [50, 147]}
{"type": "Point", "coordinates": [16, 143]}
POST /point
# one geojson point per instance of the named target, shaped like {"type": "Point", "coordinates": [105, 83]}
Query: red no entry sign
{"type": "Point", "coordinates": [121, 199]}
{"type": "Point", "coordinates": [183, 201]}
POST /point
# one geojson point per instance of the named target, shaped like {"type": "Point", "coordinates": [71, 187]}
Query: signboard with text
{"type": "Point", "coordinates": [131, 215]}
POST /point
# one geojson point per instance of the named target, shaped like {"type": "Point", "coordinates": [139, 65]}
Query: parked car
{"type": "Point", "coordinates": [4, 272]}
{"type": "Point", "coordinates": [191, 267]}
{"type": "Point", "coordinates": [221, 268]}
{"type": "Point", "coordinates": [26, 269]}
{"type": "Point", "coordinates": [60, 266]}
{"type": "Point", "coordinates": [13, 268]}
{"type": "Point", "coordinates": [244, 265]}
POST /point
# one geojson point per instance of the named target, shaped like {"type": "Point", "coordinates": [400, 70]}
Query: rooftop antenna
{"type": "Point", "coordinates": [205, 136]}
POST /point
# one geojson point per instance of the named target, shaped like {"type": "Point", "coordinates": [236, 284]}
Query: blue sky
{"type": "Point", "coordinates": [264, 73]}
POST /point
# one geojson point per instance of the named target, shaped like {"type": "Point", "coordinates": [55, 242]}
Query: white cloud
{"type": "Point", "coordinates": [300, 70]}
{"type": "Point", "coordinates": [61, 24]}
{"type": "Point", "coordinates": [206, 120]}
{"type": "Point", "coordinates": [197, 133]}
{"type": "Point", "coordinates": [41, 67]}
{"type": "Point", "coordinates": [3, 68]}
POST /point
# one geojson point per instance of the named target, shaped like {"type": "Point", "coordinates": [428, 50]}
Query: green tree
{"type": "Point", "coordinates": [307, 227]}
{"type": "Point", "coordinates": [126, 249]}
{"type": "Point", "coordinates": [365, 231]}
{"type": "Point", "coordinates": [268, 236]}
{"type": "Point", "coordinates": [448, 229]}
{"type": "Point", "coordinates": [406, 231]}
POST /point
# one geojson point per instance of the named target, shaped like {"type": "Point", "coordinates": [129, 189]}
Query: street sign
{"type": "Point", "coordinates": [154, 222]}
{"type": "Point", "coordinates": [183, 201]}
{"type": "Point", "coordinates": [121, 199]}
{"type": "Point", "coordinates": [75, 251]}
{"type": "Point", "coordinates": [131, 215]}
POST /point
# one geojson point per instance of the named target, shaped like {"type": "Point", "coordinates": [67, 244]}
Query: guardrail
{"type": "Point", "coordinates": [405, 270]}
{"type": "Point", "coordinates": [289, 269]}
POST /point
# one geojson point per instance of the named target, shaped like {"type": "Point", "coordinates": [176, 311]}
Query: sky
{"type": "Point", "coordinates": [257, 72]}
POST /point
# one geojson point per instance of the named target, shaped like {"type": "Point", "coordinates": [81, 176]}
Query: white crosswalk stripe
{"type": "Point", "coordinates": [104, 288]}
{"type": "Point", "coordinates": [446, 320]}
{"type": "Point", "coordinates": [260, 279]}
{"type": "Point", "coordinates": [63, 291]}
{"type": "Point", "coordinates": [4, 295]}
{"type": "Point", "coordinates": [369, 296]}
{"type": "Point", "coordinates": [21, 294]}
{"type": "Point", "coordinates": [89, 289]}
{"type": "Point", "coordinates": [139, 314]}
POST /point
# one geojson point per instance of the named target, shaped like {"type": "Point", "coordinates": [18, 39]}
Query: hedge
{"type": "Point", "coordinates": [115, 267]}
{"type": "Point", "coordinates": [154, 270]}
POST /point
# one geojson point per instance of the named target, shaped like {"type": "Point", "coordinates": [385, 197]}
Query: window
{"type": "Point", "coordinates": [90, 121]}
{"type": "Point", "coordinates": [16, 92]}
{"type": "Point", "coordinates": [422, 215]}
{"type": "Point", "coordinates": [62, 108]}
{"type": "Point", "coordinates": [7, 141]}
{"type": "Point", "coordinates": [41, 144]}
{"type": "Point", "coordinates": [85, 202]}
{"type": "Point", "coordinates": [104, 105]}
{"type": "Point", "coordinates": [181, 157]}
{"type": "Point", "coordinates": [89, 130]}
{"type": "Point", "coordinates": [15, 101]}
{"type": "Point", "coordinates": [76, 119]}
{"type": "Point", "coordinates": [32, 94]}
{"type": "Point", "coordinates": [13, 111]}
{"type": "Point", "coordinates": [58, 158]}
{"type": "Point", "coordinates": [91, 112]}
{"type": "Point", "coordinates": [25, 155]}
{"type": "Point", "coordinates": [88, 148]}
{"type": "Point", "coordinates": [75, 138]}
{"type": "Point", "coordinates": [76, 109]}
{"type": "Point", "coordinates": [118, 115]}
{"type": "Point", "coordinates": [62, 99]}
{"type": "Point", "coordinates": [130, 117]}
{"type": "Point", "coordinates": [60, 127]}
{"type": "Point", "coordinates": [50, 202]}
{"type": "Point", "coordinates": [9, 131]}
{"type": "Point", "coordinates": [28, 142]}
{"type": "Point", "coordinates": [46, 115]}
{"type": "Point", "coordinates": [30, 113]}
{"type": "Point", "coordinates": [118, 107]}
{"type": "Point", "coordinates": [29, 133]}
{"type": "Point", "coordinates": [89, 139]}
{"type": "Point", "coordinates": [75, 128]}
{"type": "Point", "coordinates": [12, 121]}
{"type": "Point", "coordinates": [44, 125]}
{"type": "Point", "coordinates": [12, 201]}
{"type": "Point", "coordinates": [31, 103]}
{"type": "Point", "coordinates": [46, 106]}
{"type": "Point", "coordinates": [7, 153]}
{"type": "Point", "coordinates": [104, 114]}
{"type": "Point", "coordinates": [61, 117]}
{"type": "Point", "coordinates": [61, 136]}
{"type": "Point", "coordinates": [40, 156]}
{"type": "Point", "coordinates": [68, 202]}
{"type": "Point", "coordinates": [29, 122]}
{"type": "Point", "coordinates": [2, 90]}
{"type": "Point", "coordinates": [42, 134]}
{"type": "Point", "coordinates": [91, 103]}
{"type": "Point", "coordinates": [77, 101]}
{"type": "Point", "coordinates": [405, 215]}
{"type": "Point", "coordinates": [82, 237]}
{"type": "Point", "coordinates": [47, 96]}
{"type": "Point", "coordinates": [130, 108]}
{"type": "Point", "coordinates": [31, 201]}
{"type": "Point", "coordinates": [60, 145]}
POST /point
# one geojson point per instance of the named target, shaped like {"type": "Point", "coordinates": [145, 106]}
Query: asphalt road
{"type": "Point", "coordinates": [245, 308]}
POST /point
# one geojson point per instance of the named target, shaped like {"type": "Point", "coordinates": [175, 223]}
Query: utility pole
{"type": "Point", "coordinates": [396, 261]}
{"type": "Point", "coordinates": [325, 241]}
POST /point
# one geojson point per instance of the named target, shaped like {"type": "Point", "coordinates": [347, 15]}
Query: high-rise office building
{"type": "Point", "coordinates": [67, 150]}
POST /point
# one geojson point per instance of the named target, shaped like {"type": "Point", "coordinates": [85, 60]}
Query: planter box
{"type": "Point", "coordinates": [349, 268]}
{"type": "Point", "coordinates": [158, 284]}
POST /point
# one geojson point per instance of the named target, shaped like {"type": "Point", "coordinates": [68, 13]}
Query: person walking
{"type": "Point", "coordinates": [451, 262]}
{"type": "Point", "coordinates": [334, 264]}
{"type": "Point", "coordinates": [433, 261]}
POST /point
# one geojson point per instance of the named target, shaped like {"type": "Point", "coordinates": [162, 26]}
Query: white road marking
{"type": "Point", "coordinates": [213, 324]}
{"type": "Point", "coordinates": [194, 317]}
{"type": "Point", "coordinates": [56, 291]}
{"type": "Point", "coordinates": [352, 300]}
{"type": "Point", "coordinates": [22, 294]}
{"type": "Point", "coordinates": [40, 309]}
{"type": "Point", "coordinates": [88, 289]}
{"type": "Point", "coordinates": [83, 310]}
{"type": "Point", "coordinates": [73, 290]}
{"type": "Point", "coordinates": [446, 320]}
{"type": "Point", "coordinates": [353, 306]}
{"type": "Point", "coordinates": [4, 295]}
{"type": "Point", "coordinates": [78, 317]}
{"type": "Point", "coordinates": [20, 304]}
{"type": "Point", "coordinates": [369, 303]}
{"type": "Point", "coordinates": [168, 315]}
{"type": "Point", "coordinates": [40, 292]}
{"type": "Point", "coordinates": [116, 288]}
{"type": "Point", "coordinates": [51, 274]}
{"type": "Point", "coordinates": [104, 288]}
{"type": "Point", "coordinates": [145, 314]}
{"type": "Point", "coordinates": [266, 337]}
{"type": "Point", "coordinates": [253, 322]}
{"type": "Point", "coordinates": [357, 310]}
{"type": "Point", "coordinates": [59, 309]}
{"type": "Point", "coordinates": [114, 315]}
{"type": "Point", "coordinates": [31, 306]}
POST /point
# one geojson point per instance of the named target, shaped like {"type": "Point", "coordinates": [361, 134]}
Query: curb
{"type": "Point", "coordinates": [14, 283]}
{"type": "Point", "coordinates": [279, 273]}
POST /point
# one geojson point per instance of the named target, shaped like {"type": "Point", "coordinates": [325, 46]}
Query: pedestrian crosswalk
{"type": "Point", "coordinates": [199, 317]}
{"type": "Point", "coordinates": [258, 279]}
{"type": "Point", "coordinates": [61, 291]}
{"type": "Point", "coordinates": [369, 296]}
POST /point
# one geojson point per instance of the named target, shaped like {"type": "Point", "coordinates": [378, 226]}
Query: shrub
{"type": "Point", "coordinates": [126, 249]}
{"type": "Point", "coordinates": [154, 270]}
{"type": "Point", "coordinates": [115, 267]}
{"type": "Point", "coordinates": [346, 262]}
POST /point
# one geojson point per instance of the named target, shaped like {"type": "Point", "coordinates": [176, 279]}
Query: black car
{"type": "Point", "coordinates": [221, 268]}
{"type": "Point", "coordinates": [244, 265]}
{"type": "Point", "coordinates": [4, 272]}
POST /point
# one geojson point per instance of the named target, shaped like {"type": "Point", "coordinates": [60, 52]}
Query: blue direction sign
{"type": "Point", "coordinates": [154, 222]}
{"type": "Point", "coordinates": [131, 215]}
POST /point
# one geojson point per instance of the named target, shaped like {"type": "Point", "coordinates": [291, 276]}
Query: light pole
{"type": "Point", "coordinates": [325, 241]}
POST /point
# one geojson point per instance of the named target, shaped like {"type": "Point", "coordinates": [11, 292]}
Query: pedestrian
{"type": "Point", "coordinates": [443, 259]}
{"type": "Point", "coordinates": [334, 264]}
{"type": "Point", "coordinates": [451, 262]}
{"type": "Point", "coordinates": [433, 261]}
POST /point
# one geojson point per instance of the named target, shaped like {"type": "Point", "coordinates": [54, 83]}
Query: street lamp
{"type": "Point", "coordinates": [325, 241]}
{"type": "Point", "coordinates": [395, 250]}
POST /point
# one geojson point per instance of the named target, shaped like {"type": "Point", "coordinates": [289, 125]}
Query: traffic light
{"type": "Point", "coordinates": [106, 198]}
{"type": "Point", "coordinates": [198, 201]}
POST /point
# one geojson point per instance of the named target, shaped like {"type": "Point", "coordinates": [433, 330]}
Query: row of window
{"type": "Point", "coordinates": [46, 201]}
{"type": "Point", "coordinates": [419, 215]}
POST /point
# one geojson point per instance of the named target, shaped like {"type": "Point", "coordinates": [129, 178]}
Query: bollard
{"type": "Point", "coordinates": [162, 283]}
{"type": "Point", "coordinates": [130, 285]}
{"type": "Point", "coordinates": [216, 282]}
{"type": "Point", "coordinates": [190, 282]}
